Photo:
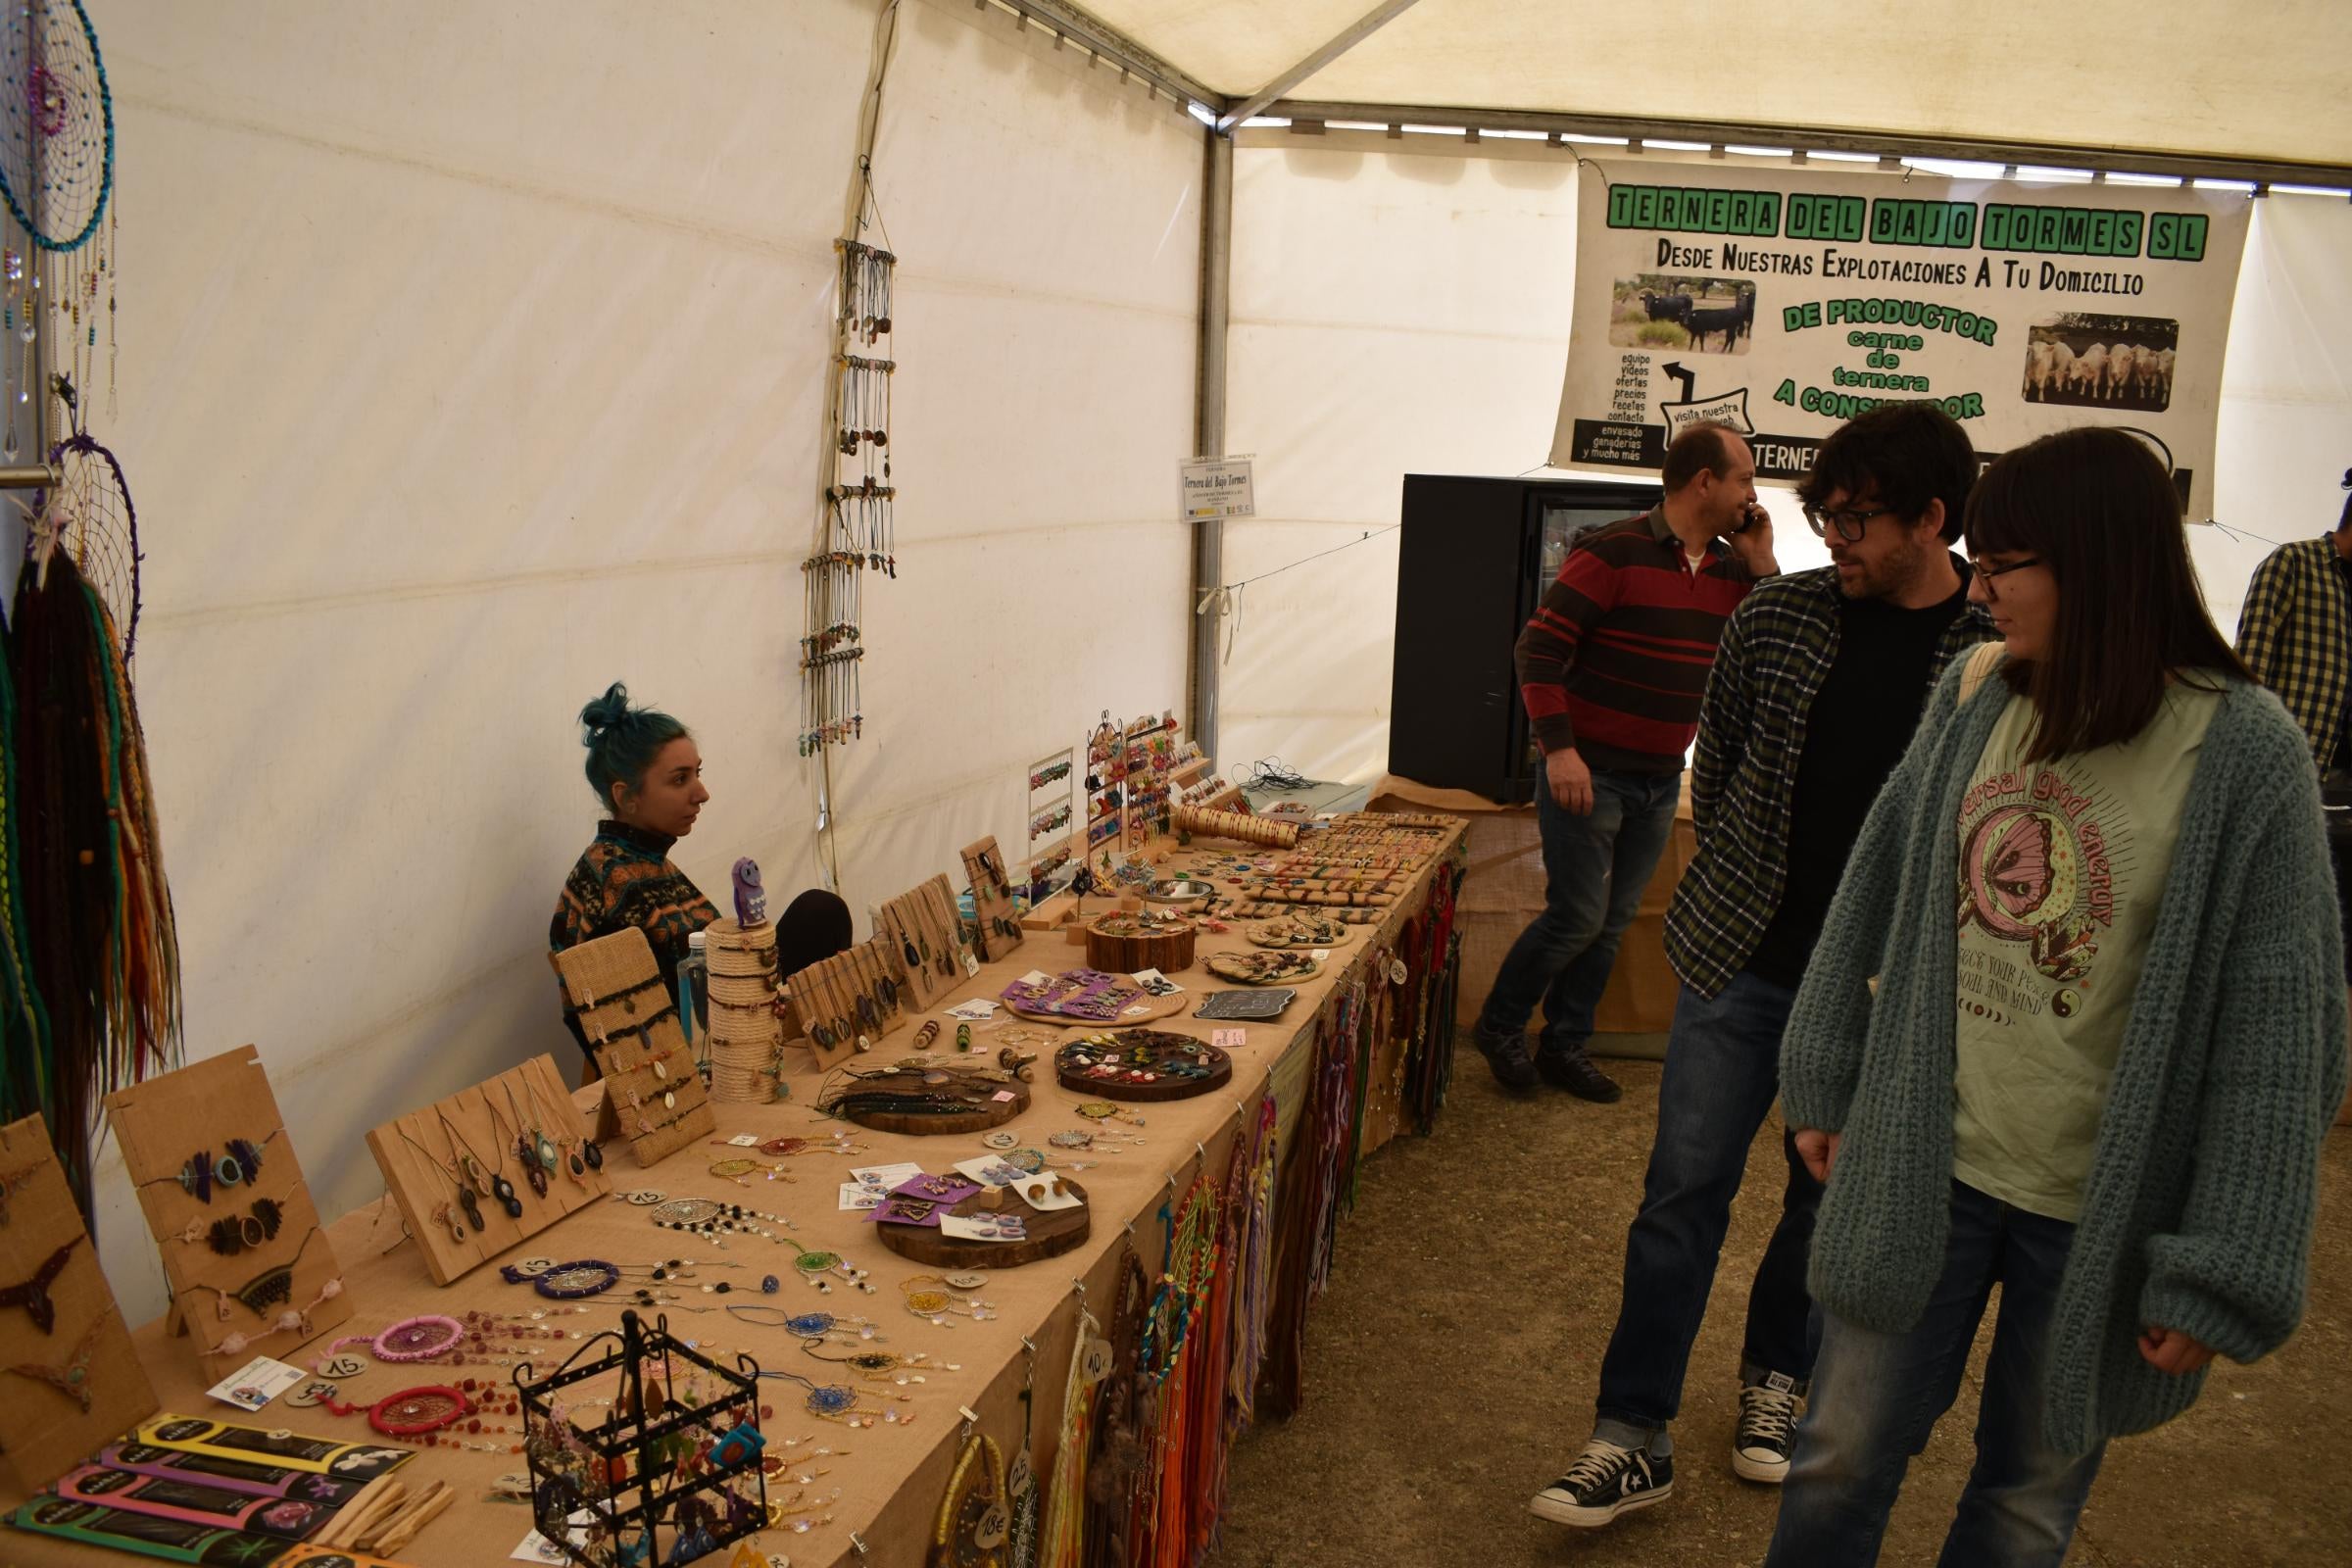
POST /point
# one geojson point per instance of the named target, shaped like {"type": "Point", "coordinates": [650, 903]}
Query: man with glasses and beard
{"type": "Point", "coordinates": [1817, 686]}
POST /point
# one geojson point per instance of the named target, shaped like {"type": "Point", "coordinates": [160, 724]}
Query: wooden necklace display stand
{"type": "Point", "coordinates": [653, 1095]}
{"type": "Point", "coordinates": [68, 1389]}
{"type": "Point", "coordinates": [162, 1125]}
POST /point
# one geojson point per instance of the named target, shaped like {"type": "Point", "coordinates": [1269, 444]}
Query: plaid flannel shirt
{"type": "Point", "coordinates": [1774, 654]}
{"type": "Point", "coordinates": [2295, 634]}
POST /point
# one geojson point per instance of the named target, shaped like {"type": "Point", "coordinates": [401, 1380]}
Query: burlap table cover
{"type": "Point", "coordinates": [891, 1476]}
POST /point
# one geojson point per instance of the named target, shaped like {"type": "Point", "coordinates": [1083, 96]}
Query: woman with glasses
{"type": "Point", "coordinates": [2075, 1027]}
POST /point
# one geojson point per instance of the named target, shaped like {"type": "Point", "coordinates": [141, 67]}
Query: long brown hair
{"type": "Point", "coordinates": [2099, 511]}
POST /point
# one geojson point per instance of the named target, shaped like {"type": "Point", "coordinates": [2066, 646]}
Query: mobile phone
{"type": "Point", "coordinates": [1749, 515]}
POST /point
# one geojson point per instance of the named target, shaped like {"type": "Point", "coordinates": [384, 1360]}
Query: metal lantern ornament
{"type": "Point", "coordinates": [669, 1473]}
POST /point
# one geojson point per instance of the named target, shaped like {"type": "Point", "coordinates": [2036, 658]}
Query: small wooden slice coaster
{"type": "Point", "coordinates": [1051, 1231]}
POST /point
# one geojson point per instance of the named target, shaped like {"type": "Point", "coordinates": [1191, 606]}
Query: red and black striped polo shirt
{"type": "Point", "coordinates": [1615, 661]}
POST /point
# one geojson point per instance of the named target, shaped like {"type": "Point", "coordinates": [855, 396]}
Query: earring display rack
{"type": "Point", "coordinates": [926, 940]}
{"type": "Point", "coordinates": [653, 1095]}
{"type": "Point", "coordinates": [473, 1134]}
{"type": "Point", "coordinates": [995, 913]}
{"type": "Point", "coordinates": [76, 1383]}
{"type": "Point", "coordinates": [1053, 805]}
{"type": "Point", "coordinates": [1150, 755]}
{"type": "Point", "coordinates": [1105, 792]}
{"type": "Point", "coordinates": [161, 1125]}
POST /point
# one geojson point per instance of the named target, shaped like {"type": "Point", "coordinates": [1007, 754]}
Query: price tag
{"type": "Point", "coordinates": [1229, 1038]}
{"type": "Point", "coordinates": [1003, 1094]}
{"type": "Point", "coordinates": [1321, 954]}
{"type": "Point", "coordinates": [1397, 971]}
{"type": "Point", "coordinates": [971, 965]}
{"type": "Point", "coordinates": [744, 1140]}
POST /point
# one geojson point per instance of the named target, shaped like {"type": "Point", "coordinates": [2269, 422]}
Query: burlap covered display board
{"type": "Point", "coordinates": [260, 1300]}
{"type": "Point", "coordinates": [477, 1138]}
{"type": "Point", "coordinates": [653, 1095]}
{"type": "Point", "coordinates": [69, 1380]}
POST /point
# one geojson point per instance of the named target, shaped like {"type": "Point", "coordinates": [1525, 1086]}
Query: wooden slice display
{"type": "Point", "coordinates": [1121, 942]}
{"type": "Point", "coordinates": [863, 1100]}
{"type": "Point", "coordinates": [1264, 968]}
{"type": "Point", "coordinates": [1142, 1064]}
{"type": "Point", "coordinates": [1051, 1231]}
{"type": "Point", "coordinates": [1143, 1010]}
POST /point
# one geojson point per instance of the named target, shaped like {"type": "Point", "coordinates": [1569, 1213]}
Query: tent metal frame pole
{"type": "Point", "coordinates": [1355, 32]}
{"type": "Point", "coordinates": [1314, 114]}
{"type": "Point", "coordinates": [1208, 422]}
{"type": "Point", "coordinates": [1113, 47]}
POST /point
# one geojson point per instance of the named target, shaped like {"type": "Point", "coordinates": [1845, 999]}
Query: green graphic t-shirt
{"type": "Point", "coordinates": [2062, 867]}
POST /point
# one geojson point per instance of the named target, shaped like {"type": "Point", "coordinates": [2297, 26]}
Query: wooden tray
{"type": "Point", "coordinates": [44, 1432]}
{"type": "Point", "coordinates": [1313, 969]}
{"type": "Point", "coordinates": [1077, 1082]}
{"type": "Point", "coordinates": [1050, 1232]}
{"type": "Point", "coordinates": [1143, 1010]}
{"type": "Point", "coordinates": [985, 1113]}
{"type": "Point", "coordinates": [160, 1124]}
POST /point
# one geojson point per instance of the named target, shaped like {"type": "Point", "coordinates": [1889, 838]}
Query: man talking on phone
{"type": "Point", "coordinates": [1612, 670]}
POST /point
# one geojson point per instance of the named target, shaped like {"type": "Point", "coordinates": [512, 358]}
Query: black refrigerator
{"type": "Point", "coordinates": [1475, 558]}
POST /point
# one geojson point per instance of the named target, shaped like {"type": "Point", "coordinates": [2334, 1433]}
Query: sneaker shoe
{"type": "Point", "coordinates": [1767, 1430]}
{"type": "Point", "coordinates": [1604, 1482]}
{"type": "Point", "coordinates": [1574, 1071]}
{"type": "Point", "coordinates": [1506, 1057]}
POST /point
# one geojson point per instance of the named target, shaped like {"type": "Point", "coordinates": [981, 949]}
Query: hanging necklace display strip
{"type": "Point", "coordinates": [857, 533]}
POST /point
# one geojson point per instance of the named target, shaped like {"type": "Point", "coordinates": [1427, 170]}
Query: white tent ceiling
{"type": "Point", "coordinates": [2265, 81]}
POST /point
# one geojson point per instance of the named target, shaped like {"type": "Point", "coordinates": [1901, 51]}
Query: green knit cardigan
{"type": "Point", "coordinates": [2198, 1210]}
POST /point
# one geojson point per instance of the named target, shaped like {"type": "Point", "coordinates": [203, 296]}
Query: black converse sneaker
{"type": "Point", "coordinates": [1604, 1482]}
{"type": "Point", "coordinates": [1767, 1429]}
{"type": "Point", "coordinates": [1506, 1057]}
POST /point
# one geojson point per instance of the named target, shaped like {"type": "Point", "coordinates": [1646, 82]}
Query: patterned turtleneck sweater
{"type": "Point", "coordinates": [625, 879]}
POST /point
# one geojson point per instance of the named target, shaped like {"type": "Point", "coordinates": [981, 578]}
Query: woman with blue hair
{"type": "Point", "coordinates": [647, 773]}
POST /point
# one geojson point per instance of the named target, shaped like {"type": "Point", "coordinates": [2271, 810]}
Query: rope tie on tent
{"type": "Point", "coordinates": [1226, 599]}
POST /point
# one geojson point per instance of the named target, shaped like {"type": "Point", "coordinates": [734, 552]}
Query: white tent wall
{"type": "Point", "coordinates": [473, 358]}
{"type": "Point", "coordinates": [1401, 306]}
{"type": "Point", "coordinates": [1049, 222]}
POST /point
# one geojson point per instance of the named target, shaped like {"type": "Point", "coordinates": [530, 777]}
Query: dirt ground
{"type": "Point", "coordinates": [1451, 1365]}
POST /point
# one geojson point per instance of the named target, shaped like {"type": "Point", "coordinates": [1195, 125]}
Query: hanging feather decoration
{"type": "Point", "coordinates": [24, 1021]}
{"type": "Point", "coordinates": [104, 956]}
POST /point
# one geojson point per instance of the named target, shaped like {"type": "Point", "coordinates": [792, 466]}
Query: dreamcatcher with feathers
{"type": "Point", "coordinates": [88, 951]}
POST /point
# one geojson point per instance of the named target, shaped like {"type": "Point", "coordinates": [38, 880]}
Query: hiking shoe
{"type": "Point", "coordinates": [1767, 1430]}
{"type": "Point", "coordinates": [1506, 1057]}
{"type": "Point", "coordinates": [1574, 1071]}
{"type": "Point", "coordinates": [1604, 1482]}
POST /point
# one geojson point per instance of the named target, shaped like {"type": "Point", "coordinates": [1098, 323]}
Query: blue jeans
{"type": "Point", "coordinates": [1876, 1396]}
{"type": "Point", "coordinates": [1723, 1070]}
{"type": "Point", "coordinates": [1595, 870]}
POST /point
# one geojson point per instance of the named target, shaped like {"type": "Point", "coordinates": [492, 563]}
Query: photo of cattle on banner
{"type": "Point", "coordinates": [2103, 362]}
{"type": "Point", "coordinates": [1674, 311]}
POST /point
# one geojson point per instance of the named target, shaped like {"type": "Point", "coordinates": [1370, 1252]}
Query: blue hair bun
{"type": "Point", "coordinates": [606, 713]}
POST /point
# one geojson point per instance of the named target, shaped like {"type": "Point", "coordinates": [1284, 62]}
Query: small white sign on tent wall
{"type": "Point", "coordinates": [1215, 487]}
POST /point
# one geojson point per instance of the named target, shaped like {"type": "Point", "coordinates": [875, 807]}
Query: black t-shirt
{"type": "Point", "coordinates": [1861, 720]}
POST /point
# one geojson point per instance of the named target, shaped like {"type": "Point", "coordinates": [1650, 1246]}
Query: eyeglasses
{"type": "Point", "coordinates": [1849, 524]}
{"type": "Point", "coordinates": [1986, 575]}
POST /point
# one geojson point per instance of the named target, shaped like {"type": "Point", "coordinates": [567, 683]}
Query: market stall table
{"type": "Point", "coordinates": [890, 1475]}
